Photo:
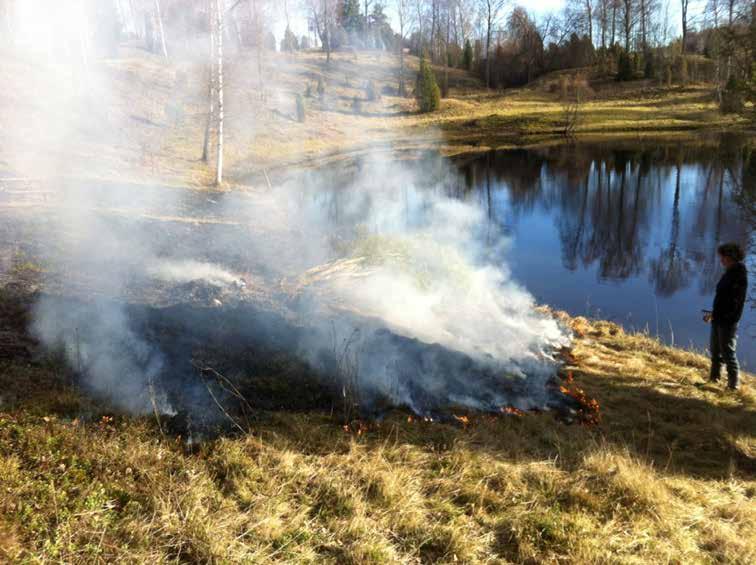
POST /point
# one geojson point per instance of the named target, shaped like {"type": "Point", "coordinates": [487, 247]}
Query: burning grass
{"type": "Point", "coordinates": [667, 475]}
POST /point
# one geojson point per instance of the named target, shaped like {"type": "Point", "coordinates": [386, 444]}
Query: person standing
{"type": "Point", "coordinates": [728, 308]}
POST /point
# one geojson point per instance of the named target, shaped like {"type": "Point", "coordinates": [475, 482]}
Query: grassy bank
{"type": "Point", "coordinates": [140, 118]}
{"type": "Point", "coordinates": [667, 476]}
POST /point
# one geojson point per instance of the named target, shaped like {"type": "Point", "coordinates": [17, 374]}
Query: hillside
{"type": "Point", "coordinates": [666, 475]}
{"type": "Point", "coordinates": [144, 119]}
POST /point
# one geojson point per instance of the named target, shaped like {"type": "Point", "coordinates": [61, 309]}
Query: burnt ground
{"type": "Point", "coordinates": [228, 351]}
{"type": "Point", "coordinates": [225, 362]}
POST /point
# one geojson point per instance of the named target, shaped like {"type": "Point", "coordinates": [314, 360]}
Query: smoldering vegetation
{"type": "Point", "coordinates": [369, 284]}
{"type": "Point", "coordinates": [374, 284]}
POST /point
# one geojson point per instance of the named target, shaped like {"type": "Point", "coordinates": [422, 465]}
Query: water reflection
{"type": "Point", "coordinates": [629, 228]}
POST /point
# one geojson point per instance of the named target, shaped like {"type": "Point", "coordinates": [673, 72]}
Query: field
{"type": "Point", "coordinates": [666, 476]}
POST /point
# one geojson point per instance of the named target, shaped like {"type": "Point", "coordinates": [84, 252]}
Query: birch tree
{"type": "Point", "coordinates": [219, 13]}
{"type": "Point", "coordinates": [160, 29]}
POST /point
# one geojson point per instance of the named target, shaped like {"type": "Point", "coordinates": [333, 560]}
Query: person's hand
{"type": "Point", "coordinates": [707, 317]}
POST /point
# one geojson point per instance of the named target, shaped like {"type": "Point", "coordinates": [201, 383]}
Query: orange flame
{"type": "Point", "coordinates": [463, 419]}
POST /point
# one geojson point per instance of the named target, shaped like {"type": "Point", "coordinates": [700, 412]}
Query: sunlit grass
{"type": "Point", "coordinates": [666, 477]}
{"type": "Point", "coordinates": [143, 120]}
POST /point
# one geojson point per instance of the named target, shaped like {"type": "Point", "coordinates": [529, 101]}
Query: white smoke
{"type": "Point", "coordinates": [187, 271]}
{"type": "Point", "coordinates": [386, 246]}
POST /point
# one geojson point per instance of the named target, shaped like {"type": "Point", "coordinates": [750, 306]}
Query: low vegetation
{"type": "Point", "coordinates": [667, 476]}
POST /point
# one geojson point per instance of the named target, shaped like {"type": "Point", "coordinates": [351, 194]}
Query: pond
{"type": "Point", "coordinates": [623, 231]}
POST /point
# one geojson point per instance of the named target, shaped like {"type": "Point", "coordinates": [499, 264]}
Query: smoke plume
{"type": "Point", "coordinates": [396, 278]}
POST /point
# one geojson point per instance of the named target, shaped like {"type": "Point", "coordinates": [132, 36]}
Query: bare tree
{"type": "Point", "coordinates": [405, 24]}
{"type": "Point", "coordinates": [684, 14]}
{"type": "Point", "coordinates": [323, 14]}
{"type": "Point", "coordinates": [491, 11]}
{"type": "Point", "coordinates": [627, 20]}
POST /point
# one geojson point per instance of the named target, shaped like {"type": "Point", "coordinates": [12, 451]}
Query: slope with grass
{"type": "Point", "coordinates": [667, 476]}
{"type": "Point", "coordinates": [140, 118]}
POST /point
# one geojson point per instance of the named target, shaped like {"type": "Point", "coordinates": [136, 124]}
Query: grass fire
{"type": "Point", "coordinates": [296, 283]}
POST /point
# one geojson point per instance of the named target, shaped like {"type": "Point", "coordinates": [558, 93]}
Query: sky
{"type": "Point", "coordinates": [537, 8]}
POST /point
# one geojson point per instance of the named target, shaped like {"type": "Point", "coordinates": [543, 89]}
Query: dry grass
{"type": "Point", "coordinates": [144, 120]}
{"type": "Point", "coordinates": [668, 476]}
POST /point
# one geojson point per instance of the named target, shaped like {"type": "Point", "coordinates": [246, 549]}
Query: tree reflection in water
{"type": "Point", "coordinates": [625, 211]}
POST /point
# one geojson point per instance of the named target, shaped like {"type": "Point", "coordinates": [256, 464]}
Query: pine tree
{"type": "Point", "coordinates": [467, 56]}
{"type": "Point", "coordinates": [427, 91]}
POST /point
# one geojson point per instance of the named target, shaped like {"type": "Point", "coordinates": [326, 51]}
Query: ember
{"type": "Point", "coordinates": [464, 420]}
{"type": "Point", "coordinates": [588, 408]}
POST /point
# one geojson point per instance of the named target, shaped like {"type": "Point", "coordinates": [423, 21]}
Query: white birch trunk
{"type": "Point", "coordinates": [161, 31]}
{"type": "Point", "coordinates": [219, 43]}
{"type": "Point", "coordinates": [211, 86]}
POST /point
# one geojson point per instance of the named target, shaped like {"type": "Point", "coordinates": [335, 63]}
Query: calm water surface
{"type": "Point", "coordinates": [625, 232]}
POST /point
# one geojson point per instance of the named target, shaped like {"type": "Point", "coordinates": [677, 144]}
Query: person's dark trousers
{"type": "Point", "coordinates": [723, 342]}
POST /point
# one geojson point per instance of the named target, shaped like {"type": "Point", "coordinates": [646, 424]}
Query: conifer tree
{"type": "Point", "coordinates": [467, 56]}
{"type": "Point", "coordinates": [427, 91]}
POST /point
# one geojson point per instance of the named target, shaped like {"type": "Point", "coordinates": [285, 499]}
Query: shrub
{"type": "Point", "coordinates": [624, 67]}
{"type": "Point", "coordinates": [321, 88]}
{"type": "Point", "coordinates": [371, 92]}
{"type": "Point", "coordinates": [357, 105]}
{"type": "Point", "coordinates": [300, 109]}
{"type": "Point", "coordinates": [682, 70]}
{"type": "Point", "coordinates": [427, 91]}
{"type": "Point", "coordinates": [649, 67]}
{"type": "Point", "coordinates": [733, 97]}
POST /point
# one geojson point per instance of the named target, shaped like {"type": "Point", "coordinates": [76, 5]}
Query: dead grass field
{"type": "Point", "coordinates": [667, 477]}
{"type": "Point", "coordinates": [139, 118]}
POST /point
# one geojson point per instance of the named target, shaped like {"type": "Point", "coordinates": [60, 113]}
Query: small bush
{"type": "Point", "coordinates": [300, 109]}
{"type": "Point", "coordinates": [564, 87]}
{"type": "Point", "coordinates": [733, 97]}
{"type": "Point", "coordinates": [371, 92]}
{"type": "Point", "coordinates": [649, 67]}
{"type": "Point", "coordinates": [682, 70]}
{"type": "Point", "coordinates": [321, 88]}
{"type": "Point", "coordinates": [624, 67]}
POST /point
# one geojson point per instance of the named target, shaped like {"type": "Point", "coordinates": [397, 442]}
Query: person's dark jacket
{"type": "Point", "coordinates": [731, 296]}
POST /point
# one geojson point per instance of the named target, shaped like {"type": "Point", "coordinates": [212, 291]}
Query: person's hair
{"type": "Point", "coordinates": [731, 250]}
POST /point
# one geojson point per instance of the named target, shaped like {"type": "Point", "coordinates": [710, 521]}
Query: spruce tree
{"type": "Point", "coordinates": [427, 91]}
{"type": "Point", "coordinates": [467, 56]}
